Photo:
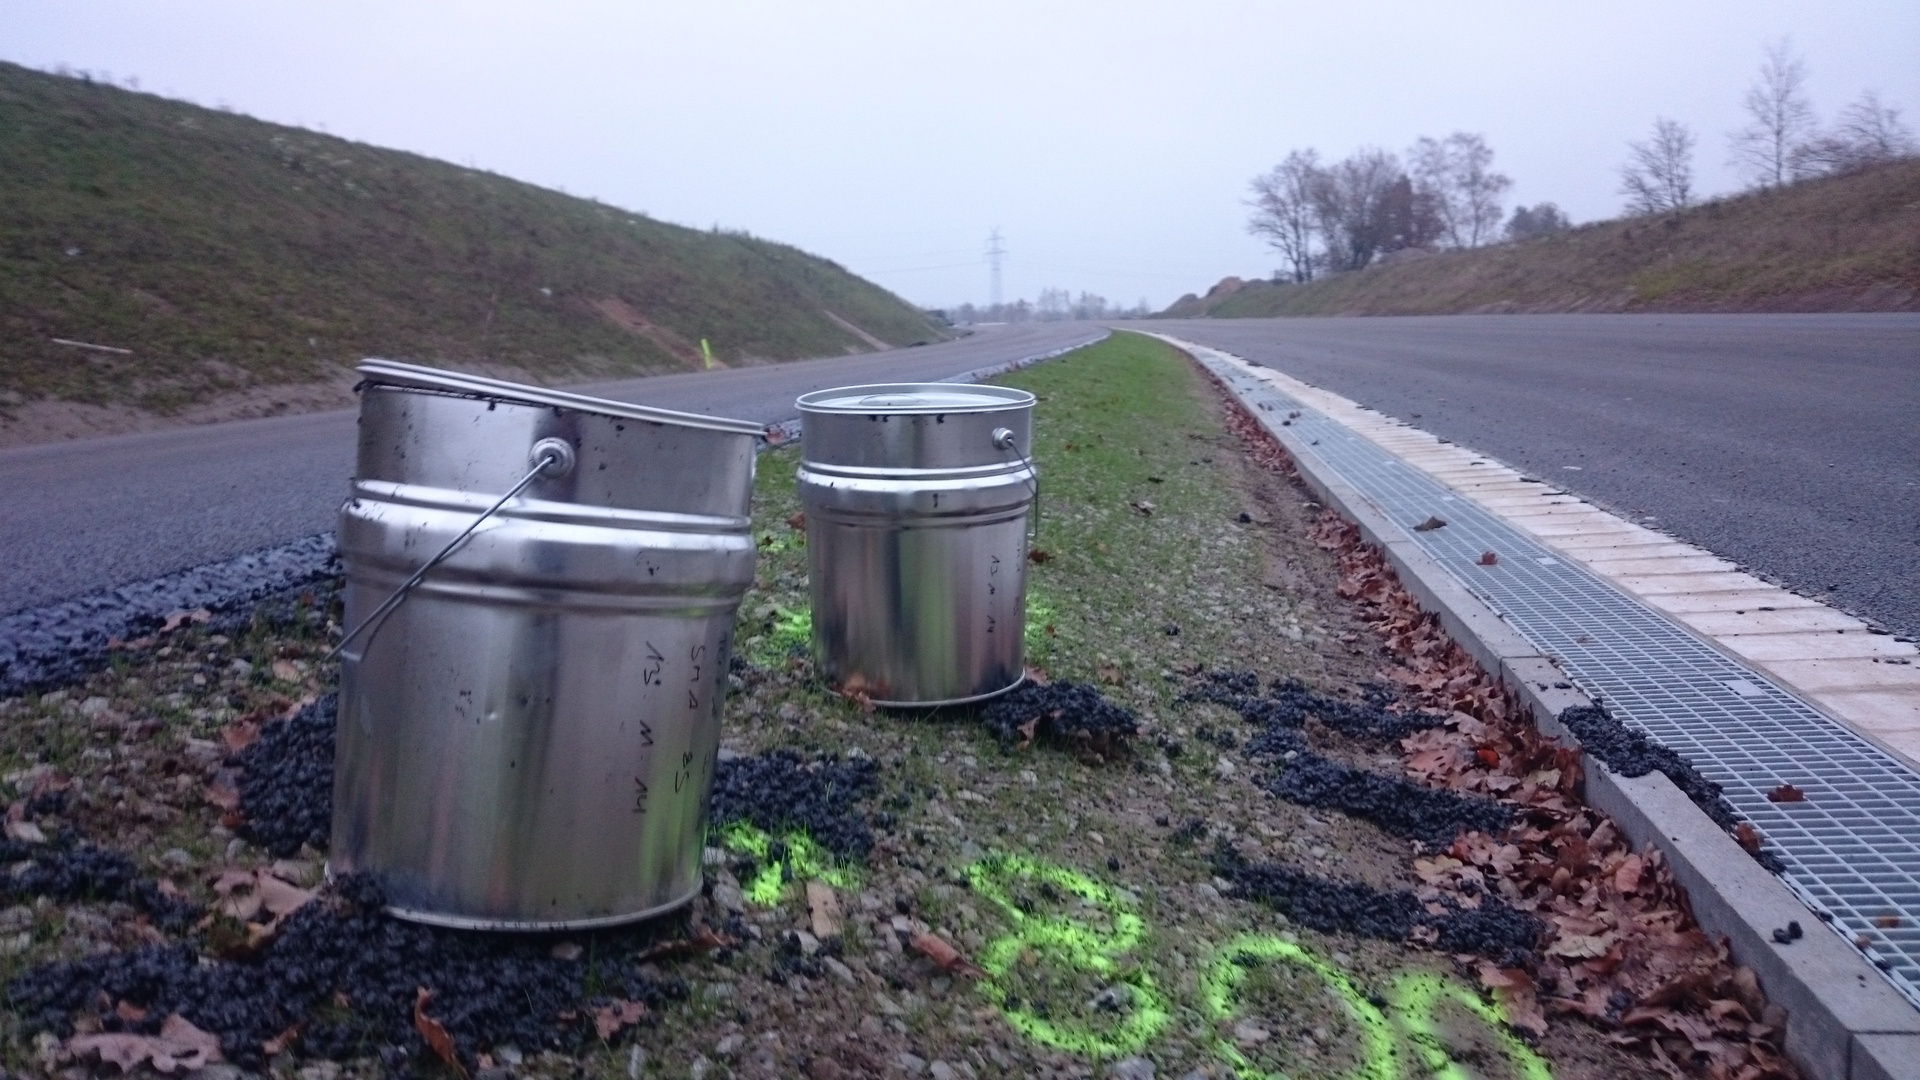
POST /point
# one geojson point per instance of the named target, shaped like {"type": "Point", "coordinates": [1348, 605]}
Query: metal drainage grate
{"type": "Point", "coordinates": [1852, 849]}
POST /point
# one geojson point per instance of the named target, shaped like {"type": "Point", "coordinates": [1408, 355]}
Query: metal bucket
{"type": "Point", "coordinates": [917, 497]}
{"type": "Point", "coordinates": [526, 739]}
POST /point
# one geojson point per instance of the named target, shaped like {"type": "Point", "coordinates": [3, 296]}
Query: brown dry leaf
{"type": "Point", "coordinates": [1748, 836]}
{"type": "Point", "coordinates": [1111, 675]}
{"type": "Point", "coordinates": [608, 1020]}
{"type": "Point", "coordinates": [282, 1042]}
{"type": "Point", "coordinates": [285, 671]}
{"type": "Point", "coordinates": [434, 1032]}
{"type": "Point", "coordinates": [179, 1045]}
{"type": "Point", "coordinates": [1521, 1006]}
{"type": "Point", "coordinates": [703, 940]}
{"type": "Point", "coordinates": [224, 793]}
{"type": "Point", "coordinates": [1627, 877]}
{"type": "Point", "coordinates": [823, 906]}
{"type": "Point", "coordinates": [178, 618]}
{"type": "Point", "coordinates": [1886, 922]}
{"type": "Point", "coordinates": [798, 522]}
{"type": "Point", "coordinates": [1786, 793]}
{"type": "Point", "coordinates": [1581, 946]}
{"type": "Point", "coordinates": [1488, 558]}
{"type": "Point", "coordinates": [1036, 556]}
{"type": "Point", "coordinates": [1430, 524]}
{"type": "Point", "coordinates": [944, 956]}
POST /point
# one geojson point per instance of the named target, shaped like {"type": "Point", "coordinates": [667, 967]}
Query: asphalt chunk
{"type": "Point", "coordinates": [1431, 815]}
{"type": "Point", "coordinates": [67, 870]}
{"type": "Point", "coordinates": [784, 790]}
{"type": "Point", "coordinates": [286, 781]}
{"type": "Point", "coordinates": [1288, 704]}
{"type": "Point", "coordinates": [348, 975]}
{"type": "Point", "coordinates": [1626, 752]}
{"type": "Point", "coordinates": [1070, 715]}
{"type": "Point", "coordinates": [1493, 929]}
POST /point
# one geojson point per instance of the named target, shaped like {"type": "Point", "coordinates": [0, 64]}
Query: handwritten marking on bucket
{"type": "Point", "coordinates": [917, 498]}
{"type": "Point", "coordinates": [1079, 943]}
{"type": "Point", "coordinates": [526, 740]}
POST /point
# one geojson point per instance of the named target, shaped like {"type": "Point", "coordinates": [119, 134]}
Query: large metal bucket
{"type": "Point", "coordinates": [917, 496]}
{"type": "Point", "coordinates": [527, 740]}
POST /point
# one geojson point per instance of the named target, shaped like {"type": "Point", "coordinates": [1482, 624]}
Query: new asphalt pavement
{"type": "Point", "coordinates": [1787, 443]}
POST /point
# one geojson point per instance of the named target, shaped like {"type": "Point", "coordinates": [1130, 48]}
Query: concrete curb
{"type": "Point", "coordinates": [1844, 1022]}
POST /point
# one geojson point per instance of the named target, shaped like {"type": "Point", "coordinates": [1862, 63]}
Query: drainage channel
{"type": "Point", "coordinates": [1852, 849]}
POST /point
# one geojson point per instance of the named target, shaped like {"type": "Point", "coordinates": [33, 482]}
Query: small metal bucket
{"type": "Point", "coordinates": [528, 726]}
{"type": "Point", "coordinates": [917, 497]}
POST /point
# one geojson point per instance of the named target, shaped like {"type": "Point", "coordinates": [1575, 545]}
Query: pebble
{"type": "Point", "coordinates": [728, 1045]}
{"type": "Point", "coordinates": [636, 1062]}
{"type": "Point", "coordinates": [700, 1067]}
{"type": "Point", "coordinates": [940, 1070]}
{"type": "Point", "coordinates": [911, 1064]}
{"type": "Point", "coordinates": [1133, 1068]}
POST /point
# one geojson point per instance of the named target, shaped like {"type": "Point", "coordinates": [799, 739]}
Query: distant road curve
{"type": "Point", "coordinates": [81, 517]}
{"type": "Point", "coordinates": [1787, 443]}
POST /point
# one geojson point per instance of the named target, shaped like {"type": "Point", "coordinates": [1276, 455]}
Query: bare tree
{"type": "Point", "coordinates": [1350, 201]}
{"type": "Point", "coordinates": [1284, 210]}
{"type": "Point", "coordinates": [1658, 175]}
{"type": "Point", "coordinates": [1868, 132]}
{"type": "Point", "coordinates": [1457, 174]}
{"type": "Point", "coordinates": [1542, 220]}
{"type": "Point", "coordinates": [1780, 118]}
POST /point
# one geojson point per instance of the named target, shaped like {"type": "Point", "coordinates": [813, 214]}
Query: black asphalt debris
{"type": "Point", "coordinates": [67, 870]}
{"type": "Point", "coordinates": [1288, 704]}
{"type": "Point", "coordinates": [1431, 815]}
{"type": "Point", "coordinates": [1626, 752]}
{"type": "Point", "coordinates": [1070, 715]}
{"type": "Point", "coordinates": [286, 781]}
{"type": "Point", "coordinates": [783, 790]}
{"type": "Point", "coordinates": [62, 643]}
{"type": "Point", "coordinates": [1493, 929]}
{"type": "Point", "coordinates": [348, 975]}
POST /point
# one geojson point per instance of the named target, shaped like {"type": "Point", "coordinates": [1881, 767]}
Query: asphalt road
{"type": "Point", "coordinates": [79, 517]}
{"type": "Point", "coordinates": [1787, 443]}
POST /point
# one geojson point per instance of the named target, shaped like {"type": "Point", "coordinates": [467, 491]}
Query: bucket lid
{"type": "Point", "coordinates": [895, 398]}
{"type": "Point", "coordinates": [414, 376]}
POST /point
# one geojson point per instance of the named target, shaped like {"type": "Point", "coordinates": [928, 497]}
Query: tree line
{"type": "Point", "coordinates": [1783, 140]}
{"type": "Point", "coordinates": [1053, 305]}
{"type": "Point", "coordinates": [1327, 217]}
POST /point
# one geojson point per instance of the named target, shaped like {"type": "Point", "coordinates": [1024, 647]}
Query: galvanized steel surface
{"type": "Point", "coordinates": [528, 740]}
{"type": "Point", "coordinates": [917, 498]}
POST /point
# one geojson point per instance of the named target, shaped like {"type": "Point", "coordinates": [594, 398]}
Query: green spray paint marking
{"type": "Point", "coordinates": [801, 860]}
{"type": "Point", "coordinates": [1414, 998]}
{"type": "Point", "coordinates": [1220, 986]}
{"type": "Point", "coordinates": [792, 633]}
{"type": "Point", "coordinates": [1074, 943]}
{"type": "Point", "coordinates": [706, 353]}
{"type": "Point", "coordinates": [1039, 614]}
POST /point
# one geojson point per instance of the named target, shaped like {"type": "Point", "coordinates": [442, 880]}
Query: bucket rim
{"type": "Point", "coordinates": [830, 402]}
{"type": "Point", "coordinates": [420, 377]}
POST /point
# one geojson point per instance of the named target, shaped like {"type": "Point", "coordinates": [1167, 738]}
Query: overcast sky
{"type": "Point", "coordinates": [1111, 143]}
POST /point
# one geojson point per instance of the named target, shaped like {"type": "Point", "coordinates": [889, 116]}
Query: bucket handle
{"type": "Point", "coordinates": [551, 458]}
{"type": "Point", "coordinates": [1003, 439]}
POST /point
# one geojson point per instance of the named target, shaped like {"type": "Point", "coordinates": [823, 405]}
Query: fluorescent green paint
{"type": "Point", "coordinates": [1076, 945]}
{"type": "Point", "coordinates": [1414, 998]}
{"type": "Point", "coordinates": [1039, 613]}
{"type": "Point", "coordinates": [1220, 987]}
{"type": "Point", "coordinates": [792, 631]}
{"type": "Point", "coordinates": [706, 353]}
{"type": "Point", "coordinates": [805, 861]}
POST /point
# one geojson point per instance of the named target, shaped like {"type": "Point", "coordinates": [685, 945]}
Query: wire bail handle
{"type": "Point", "coordinates": [551, 458]}
{"type": "Point", "coordinates": [1005, 441]}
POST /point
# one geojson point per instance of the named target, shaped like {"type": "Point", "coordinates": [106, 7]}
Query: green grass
{"type": "Point", "coordinates": [229, 253]}
{"type": "Point", "coordinates": [1846, 243]}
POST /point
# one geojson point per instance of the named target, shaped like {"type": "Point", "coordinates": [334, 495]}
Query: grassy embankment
{"type": "Point", "coordinates": [1119, 425]}
{"type": "Point", "coordinates": [229, 254]}
{"type": "Point", "coordinates": [1846, 243]}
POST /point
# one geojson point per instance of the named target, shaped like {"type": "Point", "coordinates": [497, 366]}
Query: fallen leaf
{"type": "Point", "coordinates": [944, 956]}
{"type": "Point", "coordinates": [178, 618]}
{"type": "Point", "coordinates": [434, 1032]}
{"type": "Point", "coordinates": [224, 793]}
{"type": "Point", "coordinates": [1111, 675]}
{"type": "Point", "coordinates": [609, 1019]}
{"type": "Point", "coordinates": [1488, 558]}
{"type": "Point", "coordinates": [1037, 556]}
{"type": "Point", "coordinates": [798, 522]}
{"type": "Point", "coordinates": [1581, 946]}
{"type": "Point", "coordinates": [282, 1042]}
{"type": "Point", "coordinates": [1886, 922]}
{"type": "Point", "coordinates": [1748, 836]}
{"type": "Point", "coordinates": [702, 940]}
{"type": "Point", "coordinates": [1429, 525]}
{"type": "Point", "coordinates": [179, 1045]}
{"type": "Point", "coordinates": [1627, 877]}
{"type": "Point", "coordinates": [823, 905]}
{"type": "Point", "coordinates": [285, 671]}
{"type": "Point", "coordinates": [1786, 793]}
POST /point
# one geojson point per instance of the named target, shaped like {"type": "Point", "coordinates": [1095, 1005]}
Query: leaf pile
{"type": "Point", "coordinates": [342, 980]}
{"type": "Point", "coordinates": [1619, 948]}
{"type": "Point", "coordinates": [782, 790]}
{"type": "Point", "coordinates": [1073, 716]}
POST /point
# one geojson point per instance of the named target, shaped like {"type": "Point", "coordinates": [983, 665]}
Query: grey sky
{"type": "Point", "coordinates": [1111, 143]}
